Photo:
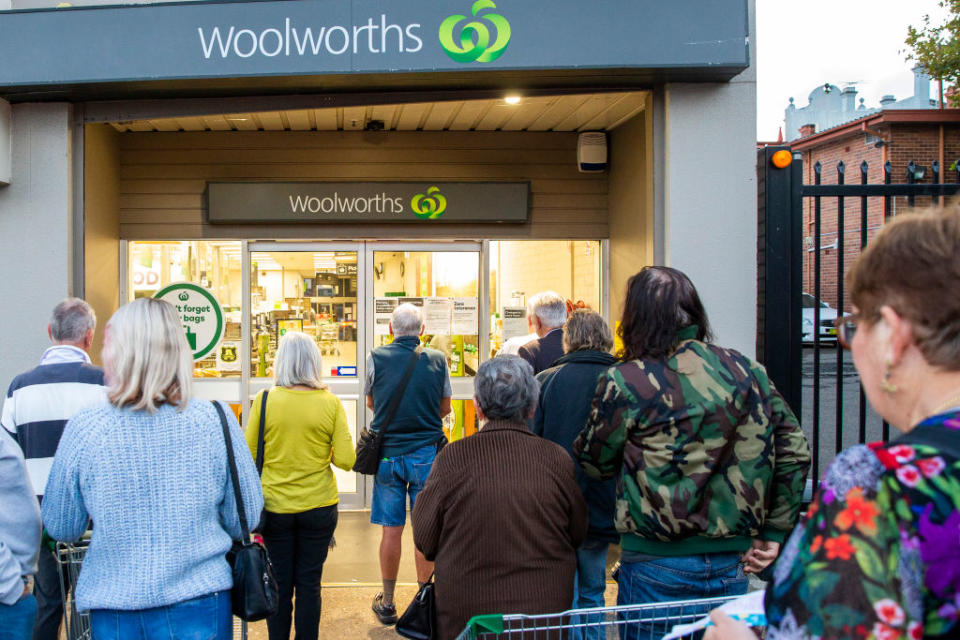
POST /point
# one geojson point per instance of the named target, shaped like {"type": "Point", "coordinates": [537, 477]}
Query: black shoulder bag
{"type": "Point", "coordinates": [418, 622]}
{"type": "Point", "coordinates": [370, 443]}
{"type": "Point", "coordinates": [263, 424]}
{"type": "Point", "coordinates": [255, 594]}
{"type": "Point", "coordinates": [260, 432]}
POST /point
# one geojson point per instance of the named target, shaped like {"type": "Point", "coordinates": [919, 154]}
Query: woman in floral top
{"type": "Point", "coordinates": [878, 553]}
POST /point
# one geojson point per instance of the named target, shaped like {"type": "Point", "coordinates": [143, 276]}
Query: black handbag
{"type": "Point", "coordinates": [418, 622]}
{"type": "Point", "coordinates": [255, 594]}
{"type": "Point", "coordinates": [370, 442]}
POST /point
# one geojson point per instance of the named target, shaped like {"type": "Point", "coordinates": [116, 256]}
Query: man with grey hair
{"type": "Point", "coordinates": [501, 513]}
{"type": "Point", "coordinates": [38, 405]}
{"type": "Point", "coordinates": [408, 389]}
{"type": "Point", "coordinates": [546, 313]}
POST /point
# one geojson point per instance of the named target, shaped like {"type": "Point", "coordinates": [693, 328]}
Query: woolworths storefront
{"type": "Point", "coordinates": [307, 165]}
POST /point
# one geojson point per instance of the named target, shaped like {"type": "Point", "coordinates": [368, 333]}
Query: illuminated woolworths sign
{"type": "Point", "coordinates": [174, 41]}
{"type": "Point", "coordinates": [410, 202]}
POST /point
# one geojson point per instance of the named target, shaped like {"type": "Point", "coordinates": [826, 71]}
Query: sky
{"type": "Point", "coordinates": [803, 44]}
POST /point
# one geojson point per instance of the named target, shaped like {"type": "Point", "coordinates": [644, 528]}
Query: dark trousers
{"type": "Point", "coordinates": [298, 544]}
{"type": "Point", "coordinates": [47, 590]}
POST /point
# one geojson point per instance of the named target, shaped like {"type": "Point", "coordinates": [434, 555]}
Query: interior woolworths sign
{"type": "Point", "coordinates": [200, 315]}
{"type": "Point", "coordinates": [427, 202]}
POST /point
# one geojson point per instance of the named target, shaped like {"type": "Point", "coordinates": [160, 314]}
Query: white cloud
{"type": "Point", "coordinates": [802, 45]}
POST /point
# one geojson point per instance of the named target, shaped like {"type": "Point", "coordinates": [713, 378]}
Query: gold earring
{"type": "Point", "coordinates": [885, 384]}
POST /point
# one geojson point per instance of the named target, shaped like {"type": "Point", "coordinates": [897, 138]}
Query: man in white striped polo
{"type": "Point", "coordinates": [38, 405]}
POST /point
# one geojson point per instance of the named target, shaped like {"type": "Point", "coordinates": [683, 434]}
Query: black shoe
{"type": "Point", "coordinates": [386, 613]}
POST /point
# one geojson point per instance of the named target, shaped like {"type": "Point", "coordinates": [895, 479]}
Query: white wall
{"type": "Point", "coordinates": [6, 117]}
{"type": "Point", "coordinates": [711, 197]}
{"type": "Point", "coordinates": [35, 233]}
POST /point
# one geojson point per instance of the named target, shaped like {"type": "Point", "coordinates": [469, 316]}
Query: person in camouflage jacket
{"type": "Point", "coordinates": [711, 461]}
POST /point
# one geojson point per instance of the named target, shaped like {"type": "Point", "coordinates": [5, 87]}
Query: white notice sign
{"type": "Point", "coordinates": [514, 322]}
{"type": "Point", "coordinates": [382, 310]}
{"type": "Point", "coordinates": [465, 317]}
{"type": "Point", "coordinates": [436, 316]}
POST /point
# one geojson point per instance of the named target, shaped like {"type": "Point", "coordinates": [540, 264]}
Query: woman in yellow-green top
{"type": "Point", "coordinates": [304, 433]}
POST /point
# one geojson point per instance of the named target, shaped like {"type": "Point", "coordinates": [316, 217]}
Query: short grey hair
{"type": "Point", "coordinates": [586, 329]}
{"type": "Point", "coordinates": [298, 361]}
{"type": "Point", "coordinates": [71, 319]}
{"type": "Point", "coordinates": [406, 320]}
{"type": "Point", "coordinates": [550, 307]}
{"type": "Point", "coordinates": [505, 388]}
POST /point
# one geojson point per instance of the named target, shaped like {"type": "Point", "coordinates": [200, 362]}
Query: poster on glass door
{"type": "Point", "coordinates": [382, 312]}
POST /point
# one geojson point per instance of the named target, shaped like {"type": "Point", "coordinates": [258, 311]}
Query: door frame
{"type": "Point", "coordinates": [350, 389]}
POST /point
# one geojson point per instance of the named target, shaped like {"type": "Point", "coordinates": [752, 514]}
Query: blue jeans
{"type": "Point", "coordinates": [396, 478]}
{"type": "Point", "coordinates": [670, 578]}
{"type": "Point", "coordinates": [16, 620]}
{"type": "Point", "coordinates": [204, 618]}
{"type": "Point", "coordinates": [589, 587]}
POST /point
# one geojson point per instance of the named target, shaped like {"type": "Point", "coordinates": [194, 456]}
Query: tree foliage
{"type": "Point", "coordinates": [937, 46]}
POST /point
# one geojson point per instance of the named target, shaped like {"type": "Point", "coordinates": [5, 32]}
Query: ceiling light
{"type": "Point", "coordinates": [512, 99]}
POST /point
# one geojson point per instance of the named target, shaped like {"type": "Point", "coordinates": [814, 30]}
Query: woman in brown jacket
{"type": "Point", "coordinates": [501, 513]}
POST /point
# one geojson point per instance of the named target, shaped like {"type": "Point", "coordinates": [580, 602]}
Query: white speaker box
{"type": "Point", "coordinates": [592, 152]}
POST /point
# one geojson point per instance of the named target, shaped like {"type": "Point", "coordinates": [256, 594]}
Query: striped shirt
{"type": "Point", "coordinates": [40, 401]}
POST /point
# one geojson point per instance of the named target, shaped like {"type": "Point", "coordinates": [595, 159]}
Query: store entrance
{"type": "Point", "coordinates": [342, 294]}
{"type": "Point", "coordinates": [472, 294]}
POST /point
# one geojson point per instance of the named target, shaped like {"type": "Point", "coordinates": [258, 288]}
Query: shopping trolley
{"type": "Point", "coordinates": [640, 621]}
{"type": "Point", "coordinates": [69, 559]}
{"type": "Point", "coordinates": [76, 624]}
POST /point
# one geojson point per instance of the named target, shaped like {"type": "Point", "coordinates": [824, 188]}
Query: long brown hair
{"type": "Point", "coordinates": [661, 301]}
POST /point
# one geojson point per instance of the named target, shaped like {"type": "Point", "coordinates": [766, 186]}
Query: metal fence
{"type": "Point", "coordinates": [808, 236]}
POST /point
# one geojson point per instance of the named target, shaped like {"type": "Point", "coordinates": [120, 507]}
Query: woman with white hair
{"type": "Point", "coordinates": [304, 431]}
{"type": "Point", "coordinates": [501, 513]}
{"type": "Point", "coordinates": [150, 469]}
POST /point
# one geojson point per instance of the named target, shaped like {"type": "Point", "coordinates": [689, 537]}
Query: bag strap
{"type": "Point", "coordinates": [263, 421]}
{"type": "Point", "coordinates": [234, 476]}
{"type": "Point", "coordinates": [398, 394]}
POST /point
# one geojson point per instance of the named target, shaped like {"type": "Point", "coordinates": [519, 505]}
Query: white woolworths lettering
{"type": "Point", "coordinates": [336, 204]}
{"type": "Point", "coordinates": [253, 43]}
{"type": "Point", "coordinates": [306, 40]}
{"type": "Point", "coordinates": [279, 48]}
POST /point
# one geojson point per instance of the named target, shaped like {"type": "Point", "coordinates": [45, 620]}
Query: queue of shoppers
{"type": "Point", "coordinates": [677, 448]}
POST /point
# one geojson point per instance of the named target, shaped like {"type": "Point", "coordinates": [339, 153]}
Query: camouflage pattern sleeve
{"type": "Point", "coordinates": [599, 448]}
{"type": "Point", "coordinates": [791, 462]}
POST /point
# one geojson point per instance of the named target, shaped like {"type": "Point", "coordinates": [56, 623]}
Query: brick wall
{"type": "Point", "coordinates": [904, 142]}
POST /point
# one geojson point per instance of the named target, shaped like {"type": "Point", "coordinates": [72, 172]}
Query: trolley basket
{"type": "Point", "coordinates": [631, 622]}
{"type": "Point", "coordinates": [69, 560]}
{"type": "Point", "coordinates": [77, 625]}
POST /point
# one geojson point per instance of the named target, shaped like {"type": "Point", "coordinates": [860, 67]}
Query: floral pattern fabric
{"type": "Point", "coordinates": [877, 556]}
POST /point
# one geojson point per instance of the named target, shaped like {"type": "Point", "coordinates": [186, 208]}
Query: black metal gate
{"type": "Point", "coordinates": [808, 235]}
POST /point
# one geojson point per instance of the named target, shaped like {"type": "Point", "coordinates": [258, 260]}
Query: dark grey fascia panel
{"type": "Point", "coordinates": [179, 48]}
{"type": "Point", "coordinates": [436, 202]}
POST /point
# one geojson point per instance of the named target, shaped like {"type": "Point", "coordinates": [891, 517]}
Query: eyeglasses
{"type": "Point", "coordinates": [846, 328]}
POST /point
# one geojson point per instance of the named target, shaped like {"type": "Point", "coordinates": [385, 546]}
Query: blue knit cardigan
{"type": "Point", "coordinates": [157, 487]}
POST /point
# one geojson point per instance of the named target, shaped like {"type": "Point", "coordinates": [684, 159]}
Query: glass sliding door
{"type": "Point", "coordinates": [315, 289]}
{"type": "Point", "coordinates": [444, 280]}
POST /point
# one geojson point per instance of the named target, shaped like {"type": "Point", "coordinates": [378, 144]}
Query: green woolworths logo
{"type": "Point", "coordinates": [430, 206]}
{"type": "Point", "coordinates": [475, 35]}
